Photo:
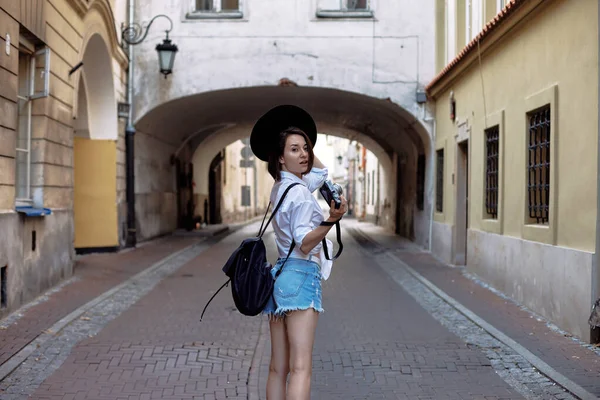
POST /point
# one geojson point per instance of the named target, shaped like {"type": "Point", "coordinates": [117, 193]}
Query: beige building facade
{"type": "Point", "coordinates": [62, 72]}
{"type": "Point", "coordinates": [516, 144]}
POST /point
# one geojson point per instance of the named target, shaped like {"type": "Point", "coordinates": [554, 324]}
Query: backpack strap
{"type": "Point", "coordinates": [213, 296]}
{"type": "Point", "coordinates": [261, 231]}
{"type": "Point", "coordinates": [288, 256]}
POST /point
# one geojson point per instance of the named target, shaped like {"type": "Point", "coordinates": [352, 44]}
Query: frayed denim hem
{"type": "Point", "coordinates": [283, 312]}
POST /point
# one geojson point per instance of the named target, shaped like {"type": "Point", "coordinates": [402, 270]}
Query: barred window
{"type": "Point", "coordinates": [439, 186]}
{"type": "Point", "coordinates": [492, 141]}
{"type": "Point", "coordinates": [538, 165]}
{"type": "Point", "coordinates": [421, 182]}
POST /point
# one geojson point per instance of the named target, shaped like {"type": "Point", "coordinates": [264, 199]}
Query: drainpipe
{"type": "Point", "coordinates": [129, 143]}
{"type": "Point", "coordinates": [431, 173]}
{"type": "Point", "coordinates": [595, 333]}
{"type": "Point", "coordinates": [432, 183]}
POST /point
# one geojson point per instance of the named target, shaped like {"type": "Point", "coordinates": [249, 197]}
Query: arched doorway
{"type": "Point", "coordinates": [95, 153]}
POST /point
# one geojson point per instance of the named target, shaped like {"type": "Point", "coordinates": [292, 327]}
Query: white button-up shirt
{"type": "Point", "coordinates": [300, 212]}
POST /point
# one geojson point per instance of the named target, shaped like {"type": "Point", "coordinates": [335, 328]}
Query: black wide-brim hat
{"type": "Point", "coordinates": [264, 136]}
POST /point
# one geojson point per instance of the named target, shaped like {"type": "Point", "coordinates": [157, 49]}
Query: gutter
{"type": "Point", "coordinates": [595, 333]}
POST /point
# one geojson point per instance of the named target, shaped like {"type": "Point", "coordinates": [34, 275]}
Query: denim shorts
{"type": "Point", "coordinates": [298, 287]}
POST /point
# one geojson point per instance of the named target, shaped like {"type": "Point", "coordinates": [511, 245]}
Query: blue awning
{"type": "Point", "coordinates": [33, 211]}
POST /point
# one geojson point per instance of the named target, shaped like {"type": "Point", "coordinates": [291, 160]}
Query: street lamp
{"type": "Point", "coordinates": [131, 35]}
{"type": "Point", "coordinates": [134, 34]}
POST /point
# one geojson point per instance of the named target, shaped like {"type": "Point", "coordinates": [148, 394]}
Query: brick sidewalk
{"type": "Point", "coordinates": [94, 274]}
{"type": "Point", "coordinates": [375, 340]}
{"type": "Point", "coordinates": [566, 355]}
{"type": "Point", "coordinates": [158, 348]}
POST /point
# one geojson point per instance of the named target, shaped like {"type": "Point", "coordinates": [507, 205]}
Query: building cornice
{"type": "Point", "coordinates": [80, 6]}
{"type": "Point", "coordinates": [514, 13]}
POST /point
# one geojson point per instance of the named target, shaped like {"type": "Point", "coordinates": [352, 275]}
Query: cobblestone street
{"type": "Point", "coordinates": [385, 334]}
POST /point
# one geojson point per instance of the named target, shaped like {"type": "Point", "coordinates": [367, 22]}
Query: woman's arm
{"type": "Point", "coordinates": [315, 236]}
{"type": "Point", "coordinates": [317, 175]}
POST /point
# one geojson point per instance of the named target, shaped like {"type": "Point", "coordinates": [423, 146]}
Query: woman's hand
{"type": "Point", "coordinates": [315, 236]}
{"type": "Point", "coordinates": [336, 213]}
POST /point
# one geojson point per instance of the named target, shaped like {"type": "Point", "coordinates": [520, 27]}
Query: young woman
{"type": "Point", "coordinates": [294, 311]}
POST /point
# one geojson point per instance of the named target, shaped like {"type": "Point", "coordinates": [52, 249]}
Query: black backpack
{"type": "Point", "coordinates": [249, 271]}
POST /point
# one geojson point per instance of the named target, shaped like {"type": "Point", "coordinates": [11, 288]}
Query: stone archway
{"type": "Point", "coordinates": [392, 133]}
{"type": "Point", "coordinates": [95, 152]}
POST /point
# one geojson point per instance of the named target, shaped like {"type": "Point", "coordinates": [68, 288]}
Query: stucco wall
{"type": "Point", "coordinates": [29, 272]}
{"type": "Point", "coordinates": [550, 35]}
{"type": "Point", "coordinates": [531, 66]}
{"type": "Point", "coordinates": [389, 56]}
{"type": "Point", "coordinates": [155, 191]}
{"type": "Point", "coordinates": [385, 56]}
{"type": "Point", "coordinates": [66, 31]}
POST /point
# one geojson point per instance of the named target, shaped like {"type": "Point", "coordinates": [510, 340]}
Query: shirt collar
{"type": "Point", "coordinates": [291, 177]}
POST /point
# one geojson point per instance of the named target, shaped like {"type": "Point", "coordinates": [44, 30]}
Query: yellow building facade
{"type": "Point", "coordinates": [62, 72]}
{"type": "Point", "coordinates": [516, 158]}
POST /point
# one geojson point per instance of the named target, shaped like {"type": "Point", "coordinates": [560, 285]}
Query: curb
{"type": "Point", "coordinates": [254, 372]}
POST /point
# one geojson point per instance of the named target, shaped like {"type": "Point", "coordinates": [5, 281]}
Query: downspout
{"type": "Point", "coordinates": [432, 183]}
{"type": "Point", "coordinates": [431, 174]}
{"type": "Point", "coordinates": [129, 142]}
{"type": "Point", "coordinates": [595, 333]}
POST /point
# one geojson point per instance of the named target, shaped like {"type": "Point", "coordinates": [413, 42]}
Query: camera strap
{"type": "Point", "coordinates": [338, 232]}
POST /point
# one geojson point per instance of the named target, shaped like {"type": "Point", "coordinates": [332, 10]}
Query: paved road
{"type": "Point", "coordinates": [384, 335]}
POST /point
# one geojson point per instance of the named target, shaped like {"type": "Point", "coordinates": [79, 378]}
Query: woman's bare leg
{"type": "Point", "coordinates": [301, 326]}
{"type": "Point", "coordinates": [280, 358]}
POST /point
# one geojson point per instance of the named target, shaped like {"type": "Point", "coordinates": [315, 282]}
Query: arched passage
{"type": "Point", "coordinates": [95, 152]}
{"type": "Point", "coordinates": [391, 132]}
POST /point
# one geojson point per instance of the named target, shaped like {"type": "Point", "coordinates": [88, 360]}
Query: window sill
{"type": "Point", "coordinates": [31, 211]}
{"type": "Point", "coordinates": [339, 14]}
{"type": "Point", "coordinates": [539, 233]}
{"type": "Point", "coordinates": [491, 225]}
{"type": "Point", "coordinates": [211, 15]}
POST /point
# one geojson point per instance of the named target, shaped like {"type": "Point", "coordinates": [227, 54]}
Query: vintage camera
{"type": "Point", "coordinates": [332, 191]}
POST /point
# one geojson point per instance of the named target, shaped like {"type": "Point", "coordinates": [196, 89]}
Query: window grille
{"type": "Point", "coordinates": [421, 182]}
{"type": "Point", "coordinates": [538, 166]}
{"type": "Point", "coordinates": [439, 187]}
{"type": "Point", "coordinates": [492, 141]}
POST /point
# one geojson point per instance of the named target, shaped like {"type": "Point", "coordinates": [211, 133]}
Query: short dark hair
{"type": "Point", "coordinates": [274, 164]}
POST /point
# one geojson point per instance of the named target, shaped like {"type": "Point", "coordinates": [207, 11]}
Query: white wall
{"type": "Point", "coordinates": [386, 56]}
